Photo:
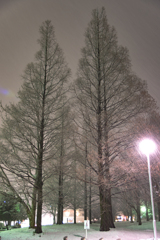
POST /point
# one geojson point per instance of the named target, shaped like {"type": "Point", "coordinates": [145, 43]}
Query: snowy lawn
{"type": "Point", "coordinates": [123, 231]}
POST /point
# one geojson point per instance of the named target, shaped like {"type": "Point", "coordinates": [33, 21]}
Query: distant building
{"type": "Point", "coordinates": [68, 217]}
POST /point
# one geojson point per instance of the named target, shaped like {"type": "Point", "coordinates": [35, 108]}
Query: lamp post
{"type": "Point", "coordinates": [147, 147]}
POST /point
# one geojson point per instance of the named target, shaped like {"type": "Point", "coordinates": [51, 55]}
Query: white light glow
{"type": "Point", "coordinates": [147, 146]}
{"type": "Point", "coordinates": [143, 209]}
{"type": "Point", "coordinates": [67, 213]}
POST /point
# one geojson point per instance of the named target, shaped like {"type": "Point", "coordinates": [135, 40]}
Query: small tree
{"type": "Point", "coordinates": [10, 210]}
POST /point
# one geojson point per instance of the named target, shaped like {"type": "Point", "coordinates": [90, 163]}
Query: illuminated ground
{"type": "Point", "coordinates": [123, 231]}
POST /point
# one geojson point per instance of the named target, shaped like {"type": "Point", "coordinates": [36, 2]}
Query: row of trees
{"type": "Point", "coordinates": [78, 137]}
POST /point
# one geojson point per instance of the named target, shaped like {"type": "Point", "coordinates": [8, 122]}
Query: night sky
{"type": "Point", "coordinates": [137, 23]}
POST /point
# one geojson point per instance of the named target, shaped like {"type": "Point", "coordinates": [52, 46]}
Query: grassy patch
{"type": "Point", "coordinates": [95, 226]}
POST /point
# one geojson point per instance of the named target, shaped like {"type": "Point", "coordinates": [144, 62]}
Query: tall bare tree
{"type": "Point", "coordinates": [31, 130]}
{"type": "Point", "coordinates": [109, 96]}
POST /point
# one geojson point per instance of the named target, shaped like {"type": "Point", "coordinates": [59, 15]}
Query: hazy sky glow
{"type": "Point", "coordinates": [137, 23]}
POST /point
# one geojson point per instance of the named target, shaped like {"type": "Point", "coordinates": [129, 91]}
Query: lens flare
{"type": "Point", "coordinates": [6, 92]}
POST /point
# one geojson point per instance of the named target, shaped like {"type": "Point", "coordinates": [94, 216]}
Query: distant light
{"type": "Point", "coordinates": [4, 91]}
{"type": "Point", "coordinates": [147, 146]}
{"type": "Point", "coordinates": [67, 213]}
{"type": "Point", "coordinates": [143, 209]}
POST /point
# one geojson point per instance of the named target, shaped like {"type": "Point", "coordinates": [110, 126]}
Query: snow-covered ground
{"type": "Point", "coordinates": [123, 231]}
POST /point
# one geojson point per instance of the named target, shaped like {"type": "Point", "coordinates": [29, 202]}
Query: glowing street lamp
{"type": "Point", "coordinates": [147, 147]}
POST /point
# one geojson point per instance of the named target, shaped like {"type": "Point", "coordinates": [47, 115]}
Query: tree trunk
{"type": "Point", "coordinates": [60, 196]}
{"type": "Point", "coordinates": [158, 202]}
{"type": "Point", "coordinates": [147, 216]}
{"type": "Point", "coordinates": [158, 207]}
{"type": "Point", "coordinates": [75, 191]}
{"type": "Point", "coordinates": [31, 220]}
{"type": "Point", "coordinates": [139, 215]}
{"type": "Point", "coordinates": [54, 218]}
{"type": "Point", "coordinates": [104, 224]}
{"type": "Point", "coordinates": [85, 188]}
{"type": "Point", "coordinates": [131, 215]}
{"type": "Point", "coordinates": [85, 201]}
{"type": "Point", "coordinates": [33, 210]}
{"type": "Point", "coordinates": [75, 186]}
{"type": "Point", "coordinates": [9, 222]}
{"type": "Point", "coordinates": [39, 205]}
{"type": "Point", "coordinates": [39, 182]}
{"type": "Point", "coordinates": [90, 197]}
{"type": "Point", "coordinates": [106, 156]}
{"type": "Point", "coordinates": [60, 200]}
{"type": "Point", "coordinates": [74, 214]}
{"type": "Point", "coordinates": [110, 214]}
{"type": "Point", "coordinates": [54, 214]}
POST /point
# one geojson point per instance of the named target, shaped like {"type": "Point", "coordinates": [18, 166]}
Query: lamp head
{"type": "Point", "coordinates": [147, 146]}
